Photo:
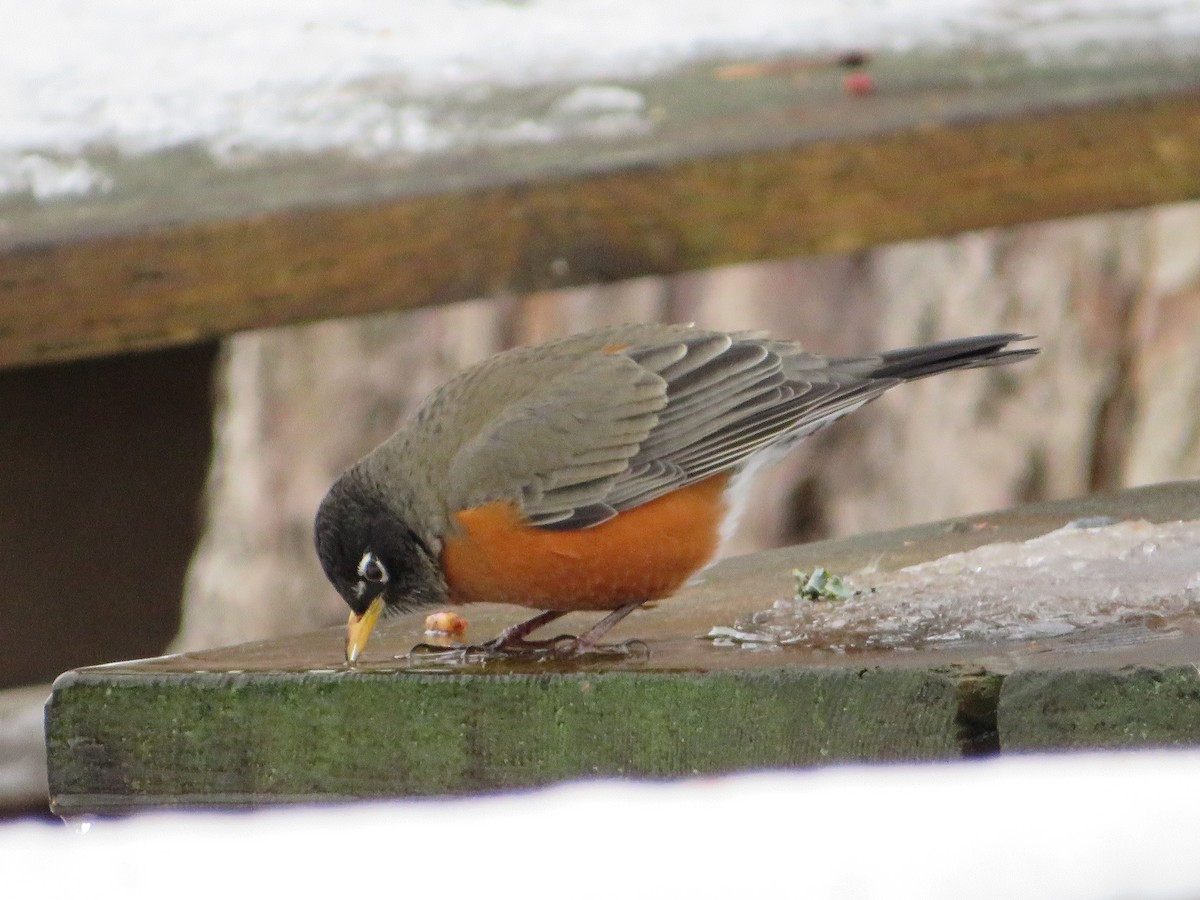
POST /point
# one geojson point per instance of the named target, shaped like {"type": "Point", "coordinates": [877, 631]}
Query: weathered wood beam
{"type": "Point", "coordinates": [733, 169]}
{"type": "Point", "coordinates": [286, 721]}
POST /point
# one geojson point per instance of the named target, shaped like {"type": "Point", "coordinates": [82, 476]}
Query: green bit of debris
{"type": "Point", "coordinates": [820, 585]}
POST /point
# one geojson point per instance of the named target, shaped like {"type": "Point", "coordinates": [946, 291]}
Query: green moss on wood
{"type": "Point", "coordinates": [121, 741]}
{"type": "Point", "coordinates": [1084, 709]}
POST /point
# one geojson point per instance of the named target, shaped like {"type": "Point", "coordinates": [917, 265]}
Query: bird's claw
{"type": "Point", "coordinates": [564, 646]}
{"type": "Point", "coordinates": [523, 647]}
{"type": "Point", "coordinates": [437, 652]}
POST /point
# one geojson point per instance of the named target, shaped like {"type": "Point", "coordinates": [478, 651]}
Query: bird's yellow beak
{"type": "Point", "coordinates": [358, 629]}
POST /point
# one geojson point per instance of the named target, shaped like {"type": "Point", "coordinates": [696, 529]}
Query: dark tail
{"type": "Point", "coordinates": [960, 353]}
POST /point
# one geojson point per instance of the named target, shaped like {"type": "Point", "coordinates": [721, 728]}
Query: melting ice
{"type": "Point", "coordinates": [1074, 578]}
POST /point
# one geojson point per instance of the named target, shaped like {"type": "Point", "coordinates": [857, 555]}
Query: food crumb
{"type": "Point", "coordinates": [445, 622]}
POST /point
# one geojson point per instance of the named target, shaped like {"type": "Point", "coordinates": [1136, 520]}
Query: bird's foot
{"type": "Point", "coordinates": [520, 646]}
{"type": "Point", "coordinates": [436, 653]}
{"type": "Point", "coordinates": [498, 648]}
{"type": "Point", "coordinates": [563, 647]}
{"type": "Point", "coordinates": [514, 643]}
{"type": "Point", "coordinates": [569, 647]}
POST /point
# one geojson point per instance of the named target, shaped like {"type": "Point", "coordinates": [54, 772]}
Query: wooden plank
{"type": "Point", "coordinates": [1114, 708]}
{"type": "Point", "coordinates": [730, 169]}
{"type": "Point", "coordinates": [236, 740]}
{"type": "Point", "coordinates": [285, 721]}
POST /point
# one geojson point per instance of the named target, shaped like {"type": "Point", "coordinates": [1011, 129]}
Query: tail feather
{"type": "Point", "coordinates": [960, 353]}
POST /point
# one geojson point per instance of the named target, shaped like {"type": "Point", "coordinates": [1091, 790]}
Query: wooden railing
{"type": "Point", "coordinates": [732, 162]}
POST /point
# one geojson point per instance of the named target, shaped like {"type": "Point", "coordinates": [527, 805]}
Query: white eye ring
{"type": "Point", "coordinates": [371, 569]}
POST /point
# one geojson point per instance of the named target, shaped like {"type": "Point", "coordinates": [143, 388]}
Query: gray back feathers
{"type": "Point", "coordinates": [579, 429]}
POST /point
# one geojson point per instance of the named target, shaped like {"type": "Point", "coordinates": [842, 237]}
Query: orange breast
{"type": "Point", "coordinates": [643, 554]}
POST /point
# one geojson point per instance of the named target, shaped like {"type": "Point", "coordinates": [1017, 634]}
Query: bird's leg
{"type": "Point", "coordinates": [512, 640]}
{"type": "Point", "coordinates": [513, 637]}
{"type": "Point", "coordinates": [587, 640]}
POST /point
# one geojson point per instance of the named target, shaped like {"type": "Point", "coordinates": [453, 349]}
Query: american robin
{"type": "Point", "coordinates": [595, 472]}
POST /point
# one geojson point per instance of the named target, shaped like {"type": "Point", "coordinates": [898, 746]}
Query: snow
{"type": "Point", "coordinates": [1096, 826]}
{"type": "Point", "coordinates": [375, 80]}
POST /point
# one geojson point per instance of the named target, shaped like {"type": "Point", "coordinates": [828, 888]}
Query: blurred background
{"type": "Point", "coordinates": [163, 498]}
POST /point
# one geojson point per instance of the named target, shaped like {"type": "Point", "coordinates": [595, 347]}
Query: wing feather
{"type": "Point", "coordinates": [559, 449]}
{"type": "Point", "coordinates": [632, 423]}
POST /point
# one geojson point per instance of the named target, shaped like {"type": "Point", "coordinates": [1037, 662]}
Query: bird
{"type": "Point", "coordinates": [594, 472]}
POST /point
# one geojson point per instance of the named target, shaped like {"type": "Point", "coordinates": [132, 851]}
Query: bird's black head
{"type": "Point", "coordinates": [368, 551]}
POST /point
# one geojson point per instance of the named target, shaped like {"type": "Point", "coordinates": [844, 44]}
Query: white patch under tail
{"type": "Point", "coordinates": [737, 493]}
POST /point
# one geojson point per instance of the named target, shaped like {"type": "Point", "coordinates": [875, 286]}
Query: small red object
{"type": "Point", "coordinates": [858, 84]}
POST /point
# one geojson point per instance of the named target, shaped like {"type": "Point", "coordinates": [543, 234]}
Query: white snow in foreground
{"type": "Point", "coordinates": [242, 77]}
{"type": "Point", "coordinates": [1089, 826]}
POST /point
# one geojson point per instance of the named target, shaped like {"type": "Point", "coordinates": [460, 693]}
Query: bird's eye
{"type": "Point", "coordinates": [370, 568]}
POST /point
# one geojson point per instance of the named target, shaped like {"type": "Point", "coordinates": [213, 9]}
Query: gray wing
{"type": "Point", "coordinates": [730, 397]}
{"type": "Point", "coordinates": [561, 448]}
{"type": "Point", "coordinates": [630, 426]}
